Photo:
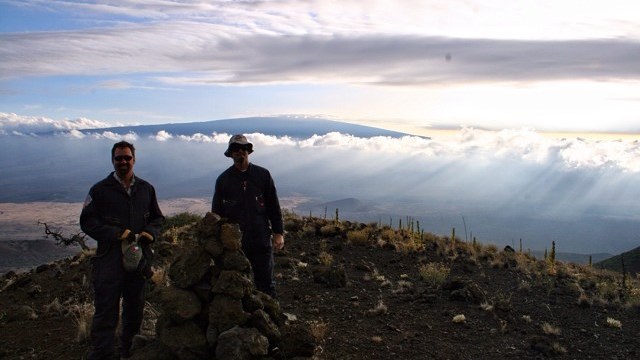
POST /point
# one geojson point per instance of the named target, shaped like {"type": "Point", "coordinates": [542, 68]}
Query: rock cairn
{"type": "Point", "coordinates": [212, 310]}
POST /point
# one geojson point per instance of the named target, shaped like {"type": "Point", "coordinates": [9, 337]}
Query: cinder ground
{"type": "Point", "coordinates": [377, 305]}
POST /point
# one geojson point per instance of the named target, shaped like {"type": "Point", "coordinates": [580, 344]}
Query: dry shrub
{"type": "Point", "coordinates": [502, 301]}
{"type": "Point", "coordinates": [608, 290]}
{"type": "Point", "coordinates": [160, 276]}
{"type": "Point", "coordinates": [486, 307]}
{"type": "Point", "coordinates": [54, 308]}
{"type": "Point", "coordinates": [549, 329]}
{"type": "Point", "coordinates": [584, 301]}
{"type": "Point", "coordinates": [308, 231]}
{"type": "Point", "coordinates": [403, 241]}
{"type": "Point", "coordinates": [434, 274]}
{"type": "Point", "coordinates": [524, 263]}
{"type": "Point", "coordinates": [376, 339]}
{"type": "Point", "coordinates": [380, 309]}
{"type": "Point", "coordinates": [82, 317]}
{"type": "Point", "coordinates": [404, 286]}
{"type": "Point", "coordinates": [524, 286]}
{"type": "Point", "coordinates": [329, 230]}
{"type": "Point", "coordinates": [174, 233]}
{"type": "Point", "coordinates": [558, 349]}
{"type": "Point", "coordinates": [150, 319]}
{"type": "Point", "coordinates": [318, 330]}
{"type": "Point", "coordinates": [613, 323]}
{"type": "Point", "coordinates": [85, 254]}
{"type": "Point", "coordinates": [491, 249]}
{"type": "Point", "coordinates": [358, 237]}
{"type": "Point", "coordinates": [325, 258]}
{"type": "Point", "coordinates": [375, 275]}
{"type": "Point", "coordinates": [408, 245]}
{"type": "Point", "coordinates": [503, 326]}
{"type": "Point", "coordinates": [388, 234]}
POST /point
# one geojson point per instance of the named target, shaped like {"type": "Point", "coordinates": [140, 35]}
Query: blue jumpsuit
{"type": "Point", "coordinates": [250, 199]}
{"type": "Point", "coordinates": [107, 211]}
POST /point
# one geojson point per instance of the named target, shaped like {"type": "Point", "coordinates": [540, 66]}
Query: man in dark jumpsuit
{"type": "Point", "coordinates": [119, 209]}
{"type": "Point", "coordinates": [246, 194]}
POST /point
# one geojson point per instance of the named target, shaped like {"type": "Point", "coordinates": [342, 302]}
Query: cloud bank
{"type": "Point", "coordinates": [506, 184]}
{"type": "Point", "coordinates": [467, 143]}
{"type": "Point", "coordinates": [20, 125]}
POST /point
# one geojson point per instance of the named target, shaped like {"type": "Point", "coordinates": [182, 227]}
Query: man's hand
{"type": "Point", "coordinates": [278, 241]}
{"type": "Point", "coordinates": [145, 238]}
{"type": "Point", "coordinates": [128, 236]}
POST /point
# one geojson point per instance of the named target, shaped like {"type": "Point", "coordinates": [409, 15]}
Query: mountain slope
{"type": "Point", "coordinates": [386, 295]}
{"type": "Point", "coordinates": [630, 258]}
{"type": "Point", "coordinates": [277, 126]}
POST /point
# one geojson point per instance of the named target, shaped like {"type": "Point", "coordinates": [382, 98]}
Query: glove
{"type": "Point", "coordinates": [145, 237]}
{"type": "Point", "coordinates": [128, 236]}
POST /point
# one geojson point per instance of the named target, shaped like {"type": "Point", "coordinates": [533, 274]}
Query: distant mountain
{"type": "Point", "coordinates": [278, 126]}
{"type": "Point", "coordinates": [575, 258]}
{"type": "Point", "coordinates": [349, 206]}
{"type": "Point", "coordinates": [631, 262]}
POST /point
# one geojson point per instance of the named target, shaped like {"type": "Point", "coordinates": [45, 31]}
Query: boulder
{"type": "Point", "coordinates": [180, 305]}
{"type": "Point", "coordinates": [189, 267]}
{"type": "Point", "coordinates": [241, 343]}
{"type": "Point", "coordinates": [261, 321]}
{"type": "Point", "coordinates": [231, 237]}
{"type": "Point", "coordinates": [297, 341]}
{"type": "Point", "coordinates": [185, 340]}
{"type": "Point", "coordinates": [232, 283]}
{"type": "Point", "coordinates": [226, 312]}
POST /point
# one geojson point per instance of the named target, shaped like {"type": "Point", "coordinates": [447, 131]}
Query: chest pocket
{"type": "Point", "coordinates": [244, 198]}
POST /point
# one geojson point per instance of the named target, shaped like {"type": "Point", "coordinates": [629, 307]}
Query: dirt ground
{"type": "Point", "coordinates": [370, 302]}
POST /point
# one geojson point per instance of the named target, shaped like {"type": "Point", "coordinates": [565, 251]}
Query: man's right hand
{"type": "Point", "coordinates": [128, 236]}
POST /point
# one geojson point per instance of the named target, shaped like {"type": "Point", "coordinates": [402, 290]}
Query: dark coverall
{"type": "Point", "coordinates": [108, 210]}
{"type": "Point", "coordinates": [250, 199]}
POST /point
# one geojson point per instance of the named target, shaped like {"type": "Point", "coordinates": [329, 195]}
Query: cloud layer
{"type": "Point", "coordinates": [375, 42]}
{"type": "Point", "coordinates": [205, 54]}
{"type": "Point", "coordinates": [30, 125]}
{"type": "Point", "coordinates": [467, 143]}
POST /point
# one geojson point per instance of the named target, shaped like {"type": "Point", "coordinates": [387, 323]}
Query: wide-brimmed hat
{"type": "Point", "coordinates": [241, 140]}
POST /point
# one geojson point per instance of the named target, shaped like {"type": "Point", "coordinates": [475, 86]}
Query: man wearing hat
{"type": "Point", "coordinates": [246, 194]}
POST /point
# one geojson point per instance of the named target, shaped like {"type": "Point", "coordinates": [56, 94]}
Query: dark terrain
{"type": "Point", "coordinates": [365, 298]}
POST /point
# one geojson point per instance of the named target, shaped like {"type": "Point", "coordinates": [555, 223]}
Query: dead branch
{"type": "Point", "coordinates": [77, 239]}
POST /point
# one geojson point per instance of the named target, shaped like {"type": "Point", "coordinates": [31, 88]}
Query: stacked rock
{"type": "Point", "coordinates": [212, 309]}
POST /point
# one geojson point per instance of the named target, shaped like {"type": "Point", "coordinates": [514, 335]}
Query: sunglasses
{"type": "Point", "coordinates": [235, 148]}
{"type": "Point", "coordinates": [123, 157]}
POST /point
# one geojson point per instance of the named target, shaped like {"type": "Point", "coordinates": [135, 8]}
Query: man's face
{"type": "Point", "coordinates": [123, 161]}
{"type": "Point", "coordinates": [239, 154]}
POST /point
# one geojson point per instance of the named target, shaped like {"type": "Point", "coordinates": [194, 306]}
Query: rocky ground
{"type": "Point", "coordinates": [381, 296]}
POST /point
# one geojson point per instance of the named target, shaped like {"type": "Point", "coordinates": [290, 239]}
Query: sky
{"type": "Point", "coordinates": [412, 66]}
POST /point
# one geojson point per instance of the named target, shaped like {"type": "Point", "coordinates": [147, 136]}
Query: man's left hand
{"type": "Point", "coordinates": [278, 241]}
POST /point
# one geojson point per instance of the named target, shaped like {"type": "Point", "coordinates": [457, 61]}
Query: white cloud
{"type": "Point", "coordinates": [468, 144]}
{"type": "Point", "coordinates": [14, 123]}
{"type": "Point", "coordinates": [214, 138]}
{"type": "Point", "coordinates": [110, 135]}
{"type": "Point", "coordinates": [162, 136]}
